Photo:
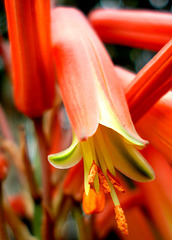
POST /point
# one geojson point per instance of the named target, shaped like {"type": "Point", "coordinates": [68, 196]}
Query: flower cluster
{"type": "Point", "coordinates": [58, 60]}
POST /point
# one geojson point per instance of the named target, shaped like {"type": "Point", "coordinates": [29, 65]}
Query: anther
{"type": "Point", "coordinates": [103, 182]}
{"type": "Point", "coordinates": [92, 173]}
{"type": "Point", "coordinates": [115, 182]}
{"type": "Point", "coordinates": [121, 220]}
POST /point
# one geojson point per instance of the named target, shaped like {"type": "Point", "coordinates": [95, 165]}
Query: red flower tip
{"type": "Point", "coordinates": [3, 167]}
{"type": "Point", "coordinates": [18, 204]}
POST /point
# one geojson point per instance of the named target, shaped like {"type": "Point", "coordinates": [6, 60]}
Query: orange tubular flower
{"type": "Point", "coordinates": [159, 133]}
{"type": "Point", "coordinates": [97, 109]}
{"type": "Point", "coordinates": [155, 125]}
{"type": "Point", "coordinates": [151, 83]}
{"type": "Point", "coordinates": [32, 64]}
{"type": "Point", "coordinates": [135, 28]}
{"type": "Point", "coordinates": [157, 194]}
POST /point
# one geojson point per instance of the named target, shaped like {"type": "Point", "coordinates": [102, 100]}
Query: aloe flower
{"type": "Point", "coordinates": [155, 125]}
{"type": "Point", "coordinates": [32, 63]}
{"type": "Point", "coordinates": [135, 28]}
{"type": "Point", "coordinates": [159, 133]}
{"type": "Point", "coordinates": [103, 133]}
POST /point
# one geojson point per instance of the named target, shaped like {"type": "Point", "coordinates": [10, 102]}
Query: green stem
{"type": "Point", "coordinates": [47, 225]}
{"type": "Point", "coordinates": [28, 168]}
{"type": "Point", "coordinates": [83, 231]}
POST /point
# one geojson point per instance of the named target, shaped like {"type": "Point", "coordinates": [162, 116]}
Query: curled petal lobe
{"type": "Point", "coordinates": [127, 159]}
{"type": "Point", "coordinates": [67, 158]}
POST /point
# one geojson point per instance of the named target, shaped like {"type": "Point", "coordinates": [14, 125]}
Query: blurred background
{"type": "Point", "coordinates": [131, 58]}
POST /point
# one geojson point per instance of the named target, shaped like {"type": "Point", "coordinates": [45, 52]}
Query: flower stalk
{"type": "Point", "coordinates": [47, 224]}
{"type": "Point", "coordinates": [3, 232]}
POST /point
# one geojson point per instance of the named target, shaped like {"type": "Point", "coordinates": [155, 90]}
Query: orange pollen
{"type": "Point", "coordinates": [103, 182]}
{"type": "Point", "coordinates": [115, 182]}
{"type": "Point", "coordinates": [92, 173]}
{"type": "Point", "coordinates": [121, 220]}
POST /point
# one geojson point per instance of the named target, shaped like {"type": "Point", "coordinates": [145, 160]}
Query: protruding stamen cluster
{"type": "Point", "coordinates": [120, 217]}
{"type": "Point", "coordinates": [115, 182]}
{"type": "Point", "coordinates": [121, 220]}
{"type": "Point", "coordinates": [102, 180]}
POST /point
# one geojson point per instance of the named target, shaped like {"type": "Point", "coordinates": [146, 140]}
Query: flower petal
{"type": "Point", "coordinates": [109, 118]}
{"type": "Point", "coordinates": [127, 159]}
{"type": "Point", "coordinates": [155, 125]}
{"type": "Point", "coordinates": [151, 83]}
{"type": "Point", "coordinates": [90, 88]}
{"type": "Point", "coordinates": [75, 71]}
{"type": "Point", "coordinates": [67, 158]}
{"type": "Point", "coordinates": [157, 194]}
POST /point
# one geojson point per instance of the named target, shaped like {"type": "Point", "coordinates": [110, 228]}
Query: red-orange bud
{"type": "Point", "coordinates": [3, 167]}
{"type": "Point", "coordinates": [93, 202]}
{"type": "Point", "coordinates": [18, 204]}
{"type": "Point", "coordinates": [32, 62]}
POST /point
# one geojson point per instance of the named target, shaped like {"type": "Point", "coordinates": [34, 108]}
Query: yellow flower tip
{"type": "Point", "coordinates": [103, 182]}
{"type": "Point", "coordinates": [115, 182]}
{"type": "Point", "coordinates": [92, 173]}
{"type": "Point", "coordinates": [121, 220]}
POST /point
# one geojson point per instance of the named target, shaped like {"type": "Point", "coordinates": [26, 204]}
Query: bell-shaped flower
{"type": "Point", "coordinates": [104, 135]}
{"type": "Point", "coordinates": [32, 63]}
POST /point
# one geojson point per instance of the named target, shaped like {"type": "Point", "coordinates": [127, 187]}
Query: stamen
{"type": "Point", "coordinates": [103, 182]}
{"type": "Point", "coordinates": [115, 182]}
{"type": "Point", "coordinates": [92, 173]}
{"type": "Point", "coordinates": [121, 220]}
